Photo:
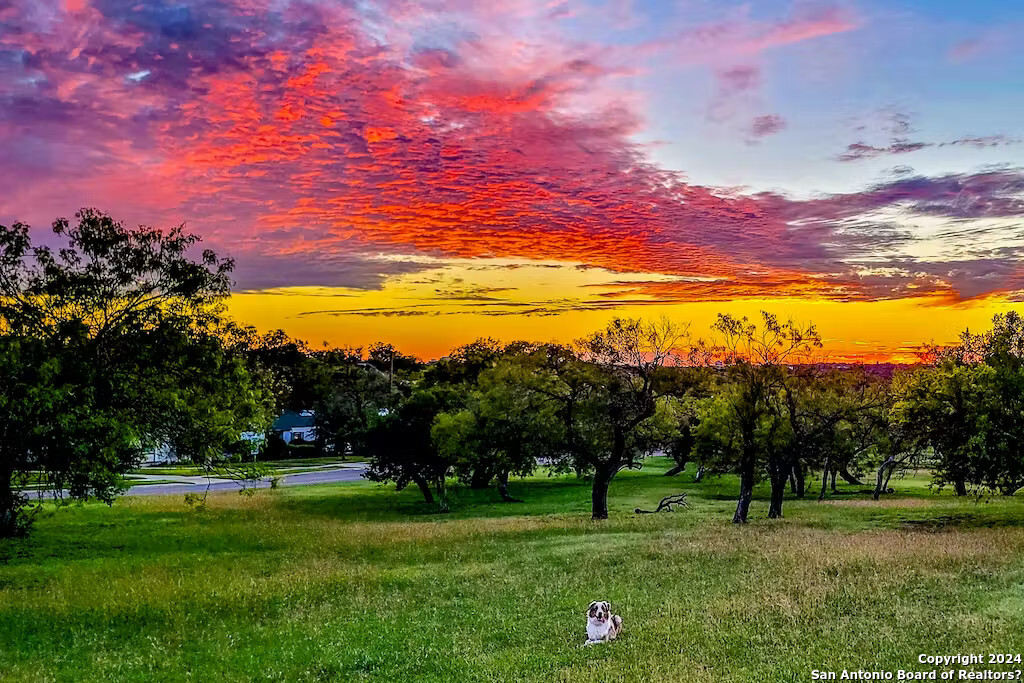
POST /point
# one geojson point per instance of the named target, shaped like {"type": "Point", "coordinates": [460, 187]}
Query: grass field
{"type": "Point", "coordinates": [357, 582]}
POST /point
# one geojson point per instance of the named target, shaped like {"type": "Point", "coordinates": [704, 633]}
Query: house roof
{"type": "Point", "coordinates": [293, 420]}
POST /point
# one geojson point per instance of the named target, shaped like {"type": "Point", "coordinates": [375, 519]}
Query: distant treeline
{"type": "Point", "coordinates": [750, 399]}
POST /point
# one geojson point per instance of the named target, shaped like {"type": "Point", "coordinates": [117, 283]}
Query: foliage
{"type": "Point", "coordinates": [108, 345]}
{"type": "Point", "coordinates": [503, 428]}
{"type": "Point", "coordinates": [755, 371]}
{"type": "Point", "coordinates": [967, 406]}
{"type": "Point", "coordinates": [390, 360]}
{"type": "Point", "coordinates": [603, 390]}
{"type": "Point", "coordinates": [674, 427]}
{"type": "Point", "coordinates": [836, 419]}
{"type": "Point", "coordinates": [447, 421]}
{"type": "Point", "coordinates": [402, 449]}
{"type": "Point", "coordinates": [356, 393]}
{"type": "Point", "coordinates": [289, 364]}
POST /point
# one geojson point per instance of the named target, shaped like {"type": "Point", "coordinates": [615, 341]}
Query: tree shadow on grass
{"type": "Point", "coordinates": [382, 503]}
{"type": "Point", "coordinates": [138, 534]}
{"type": "Point", "coordinates": [961, 520]}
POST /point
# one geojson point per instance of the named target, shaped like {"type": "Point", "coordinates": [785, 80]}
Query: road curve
{"type": "Point", "coordinates": [342, 474]}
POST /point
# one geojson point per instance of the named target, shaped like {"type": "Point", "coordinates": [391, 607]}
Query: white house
{"type": "Point", "coordinates": [295, 427]}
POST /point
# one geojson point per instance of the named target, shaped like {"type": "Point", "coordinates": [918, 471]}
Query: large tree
{"type": "Point", "coordinates": [605, 388]}
{"type": "Point", "coordinates": [1001, 349]}
{"type": "Point", "coordinates": [401, 448]}
{"type": "Point", "coordinates": [968, 406]}
{"type": "Point", "coordinates": [755, 360]}
{"type": "Point", "coordinates": [900, 446]}
{"type": "Point", "coordinates": [502, 429]}
{"type": "Point", "coordinates": [432, 429]}
{"type": "Point", "coordinates": [109, 344]}
{"type": "Point", "coordinates": [352, 394]}
{"type": "Point", "coordinates": [948, 405]}
{"type": "Point", "coordinates": [297, 377]}
{"type": "Point", "coordinates": [832, 417]}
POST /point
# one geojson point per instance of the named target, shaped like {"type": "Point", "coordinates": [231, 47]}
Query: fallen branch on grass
{"type": "Point", "coordinates": [667, 503]}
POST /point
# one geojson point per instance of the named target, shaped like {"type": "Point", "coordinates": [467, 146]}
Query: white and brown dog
{"type": "Point", "coordinates": [602, 625]}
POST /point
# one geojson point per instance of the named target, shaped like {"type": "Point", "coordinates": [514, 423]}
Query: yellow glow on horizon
{"type": "Point", "coordinates": [434, 310]}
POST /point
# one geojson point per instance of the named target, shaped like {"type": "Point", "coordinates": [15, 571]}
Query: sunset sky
{"type": "Point", "coordinates": [430, 172]}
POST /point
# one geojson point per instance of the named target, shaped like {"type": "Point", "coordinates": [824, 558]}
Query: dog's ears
{"type": "Point", "coordinates": [590, 607]}
{"type": "Point", "coordinates": [607, 607]}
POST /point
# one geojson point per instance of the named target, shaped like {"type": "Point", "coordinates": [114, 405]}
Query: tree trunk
{"type": "Point", "coordinates": [10, 506]}
{"type": "Point", "coordinates": [678, 469]}
{"type": "Point", "coordinates": [824, 481]}
{"type": "Point", "coordinates": [424, 489]}
{"type": "Point", "coordinates": [778, 493]}
{"type": "Point", "coordinates": [888, 476]}
{"type": "Point", "coordinates": [503, 488]}
{"type": "Point", "coordinates": [882, 481]}
{"type": "Point", "coordinates": [792, 480]}
{"type": "Point", "coordinates": [604, 473]}
{"type": "Point", "coordinates": [700, 474]}
{"type": "Point", "coordinates": [849, 478]}
{"type": "Point", "coordinates": [442, 495]}
{"type": "Point", "coordinates": [746, 491]}
{"type": "Point", "coordinates": [801, 479]}
{"type": "Point", "coordinates": [834, 473]}
{"type": "Point", "coordinates": [480, 479]}
{"type": "Point", "coordinates": [960, 486]}
{"type": "Point", "coordinates": [599, 493]}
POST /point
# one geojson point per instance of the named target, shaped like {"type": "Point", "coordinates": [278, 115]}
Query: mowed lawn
{"type": "Point", "coordinates": [357, 582]}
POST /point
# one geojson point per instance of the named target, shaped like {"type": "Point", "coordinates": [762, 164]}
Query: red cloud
{"type": "Point", "coordinates": [303, 138]}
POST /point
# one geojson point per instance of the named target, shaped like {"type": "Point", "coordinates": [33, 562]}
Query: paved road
{"type": "Point", "coordinates": [351, 472]}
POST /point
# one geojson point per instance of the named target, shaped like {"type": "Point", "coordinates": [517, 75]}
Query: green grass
{"type": "Point", "coordinates": [357, 582]}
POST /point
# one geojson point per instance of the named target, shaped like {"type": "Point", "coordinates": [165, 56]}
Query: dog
{"type": "Point", "coordinates": [602, 625]}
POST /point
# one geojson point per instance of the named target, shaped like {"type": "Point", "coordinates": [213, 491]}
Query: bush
{"type": "Point", "coordinates": [274, 448]}
{"type": "Point", "coordinates": [303, 450]}
{"type": "Point", "coordinates": [277, 449]}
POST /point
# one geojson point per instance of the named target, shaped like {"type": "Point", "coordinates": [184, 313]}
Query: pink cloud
{"type": "Point", "coordinates": [966, 49]}
{"type": "Point", "coordinates": [766, 125]}
{"type": "Point", "coordinates": [743, 38]}
{"type": "Point", "coordinates": [815, 24]}
{"type": "Point", "coordinates": [738, 79]}
{"type": "Point", "coordinates": [737, 88]}
{"type": "Point", "coordinates": [991, 42]}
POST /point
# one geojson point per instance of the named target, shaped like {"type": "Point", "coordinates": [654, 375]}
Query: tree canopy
{"type": "Point", "coordinates": [109, 344]}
